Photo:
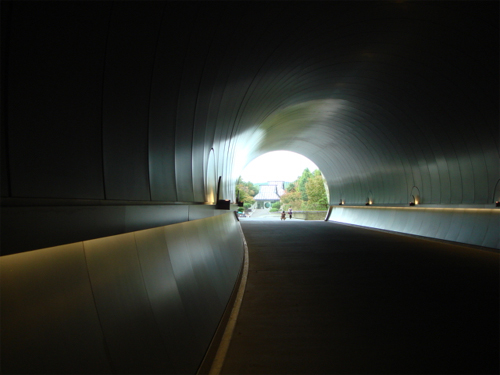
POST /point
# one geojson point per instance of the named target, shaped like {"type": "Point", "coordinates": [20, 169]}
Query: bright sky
{"type": "Point", "coordinates": [277, 166]}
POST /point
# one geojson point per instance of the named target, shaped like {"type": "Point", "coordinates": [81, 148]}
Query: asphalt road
{"type": "Point", "coordinates": [325, 298]}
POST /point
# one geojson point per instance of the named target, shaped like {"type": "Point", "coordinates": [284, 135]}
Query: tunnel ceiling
{"type": "Point", "coordinates": [126, 100]}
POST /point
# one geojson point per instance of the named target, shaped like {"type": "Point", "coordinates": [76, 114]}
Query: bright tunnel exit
{"type": "Point", "coordinates": [280, 181]}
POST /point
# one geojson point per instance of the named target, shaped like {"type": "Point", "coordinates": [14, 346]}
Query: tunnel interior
{"type": "Point", "coordinates": [122, 117]}
{"type": "Point", "coordinates": [127, 104]}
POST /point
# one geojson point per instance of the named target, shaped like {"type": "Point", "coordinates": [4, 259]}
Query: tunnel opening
{"type": "Point", "coordinates": [280, 181]}
{"type": "Point", "coordinates": [120, 133]}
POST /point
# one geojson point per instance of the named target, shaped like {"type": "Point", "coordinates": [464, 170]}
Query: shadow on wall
{"type": "Point", "coordinates": [142, 302]}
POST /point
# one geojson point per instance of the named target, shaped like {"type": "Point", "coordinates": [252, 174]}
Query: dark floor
{"type": "Point", "coordinates": [325, 298]}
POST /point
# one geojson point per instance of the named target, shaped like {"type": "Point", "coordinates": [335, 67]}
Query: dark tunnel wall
{"type": "Point", "coordinates": [124, 101]}
{"type": "Point", "coordinates": [120, 116]}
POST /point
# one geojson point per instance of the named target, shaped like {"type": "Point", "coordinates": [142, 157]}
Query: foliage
{"type": "Point", "coordinates": [241, 209]}
{"type": "Point", "coordinates": [245, 191]}
{"type": "Point", "coordinates": [276, 205]}
{"type": "Point", "coordinates": [247, 205]}
{"type": "Point", "coordinates": [306, 193]}
{"type": "Point", "coordinates": [292, 199]}
{"type": "Point", "coordinates": [274, 209]}
{"type": "Point", "coordinates": [315, 189]}
{"type": "Point", "coordinates": [301, 183]}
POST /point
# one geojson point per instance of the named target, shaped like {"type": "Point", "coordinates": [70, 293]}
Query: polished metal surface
{"type": "Point", "coordinates": [163, 293]}
{"type": "Point", "coordinates": [51, 225]}
{"type": "Point", "coordinates": [478, 227]}
{"type": "Point", "coordinates": [49, 322]}
{"type": "Point", "coordinates": [154, 101]}
{"type": "Point", "coordinates": [387, 98]}
{"type": "Point", "coordinates": [132, 338]}
{"type": "Point", "coordinates": [370, 96]}
{"type": "Point", "coordinates": [192, 288]}
{"type": "Point", "coordinates": [136, 303]}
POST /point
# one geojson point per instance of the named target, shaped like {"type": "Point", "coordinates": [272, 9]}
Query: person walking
{"type": "Point", "coordinates": [283, 215]}
{"type": "Point", "coordinates": [290, 212]}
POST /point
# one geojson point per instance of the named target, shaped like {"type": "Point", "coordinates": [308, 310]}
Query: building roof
{"type": "Point", "coordinates": [280, 186]}
{"type": "Point", "coordinates": [272, 191]}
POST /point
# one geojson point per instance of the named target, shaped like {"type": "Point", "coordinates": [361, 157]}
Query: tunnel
{"type": "Point", "coordinates": [124, 126]}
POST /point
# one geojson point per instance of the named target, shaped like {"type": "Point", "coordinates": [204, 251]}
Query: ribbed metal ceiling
{"type": "Point", "coordinates": [126, 100]}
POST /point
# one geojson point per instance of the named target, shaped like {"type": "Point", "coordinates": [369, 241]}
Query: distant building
{"type": "Point", "coordinates": [270, 193]}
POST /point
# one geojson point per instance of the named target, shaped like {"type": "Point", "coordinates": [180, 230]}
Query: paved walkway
{"type": "Point", "coordinates": [325, 298]}
{"type": "Point", "coordinates": [263, 214]}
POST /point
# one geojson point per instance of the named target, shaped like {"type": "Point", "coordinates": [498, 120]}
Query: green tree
{"type": "Point", "coordinates": [292, 199]}
{"type": "Point", "coordinates": [306, 193]}
{"type": "Point", "coordinates": [246, 190]}
{"type": "Point", "coordinates": [316, 192]}
{"type": "Point", "coordinates": [302, 181]}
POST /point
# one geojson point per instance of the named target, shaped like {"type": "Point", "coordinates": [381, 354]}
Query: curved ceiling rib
{"type": "Point", "coordinates": [126, 102]}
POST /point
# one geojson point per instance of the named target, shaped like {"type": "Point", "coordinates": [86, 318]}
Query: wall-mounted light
{"type": "Point", "coordinates": [369, 198]}
{"type": "Point", "coordinates": [342, 202]}
{"type": "Point", "coordinates": [415, 196]}
{"type": "Point", "coordinates": [413, 202]}
{"type": "Point", "coordinates": [496, 193]}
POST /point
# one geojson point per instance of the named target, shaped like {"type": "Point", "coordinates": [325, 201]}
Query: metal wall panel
{"type": "Point", "coordinates": [492, 237]}
{"type": "Point", "coordinates": [130, 51]}
{"type": "Point", "coordinates": [181, 79]}
{"type": "Point", "coordinates": [189, 289]}
{"type": "Point", "coordinates": [442, 223]}
{"type": "Point", "coordinates": [220, 275]}
{"type": "Point", "coordinates": [177, 331]}
{"type": "Point", "coordinates": [218, 245]}
{"type": "Point", "coordinates": [214, 270]}
{"type": "Point", "coordinates": [430, 227]}
{"type": "Point", "coordinates": [133, 340]}
{"type": "Point", "coordinates": [171, 47]}
{"type": "Point", "coordinates": [201, 211]}
{"type": "Point", "coordinates": [456, 224]}
{"type": "Point", "coordinates": [190, 97]}
{"type": "Point", "coordinates": [56, 225]}
{"type": "Point", "coordinates": [53, 84]}
{"type": "Point", "coordinates": [204, 267]}
{"type": "Point", "coordinates": [48, 318]}
{"type": "Point", "coordinates": [231, 243]}
{"type": "Point", "coordinates": [469, 220]}
{"type": "Point", "coordinates": [481, 225]}
{"type": "Point", "coordinates": [471, 226]}
{"type": "Point", "coordinates": [142, 302]}
{"type": "Point", "coordinates": [125, 100]}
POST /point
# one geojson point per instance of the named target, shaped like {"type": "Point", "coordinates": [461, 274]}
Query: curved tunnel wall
{"type": "Point", "coordinates": [111, 110]}
{"type": "Point", "coordinates": [125, 101]}
{"type": "Point", "coordinates": [142, 302]}
{"type": "Point", "coordinates": [472, 226]}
